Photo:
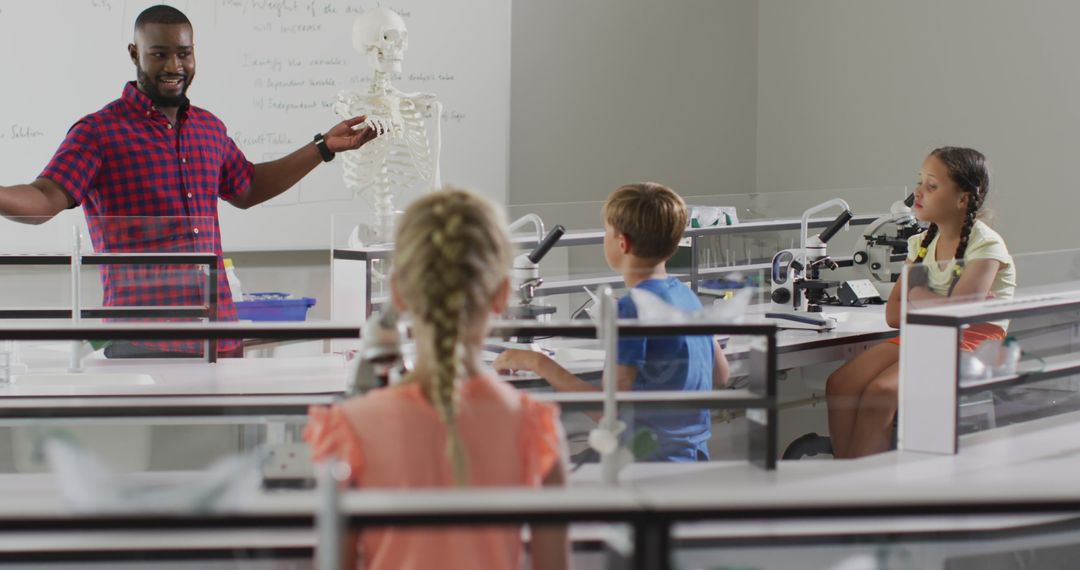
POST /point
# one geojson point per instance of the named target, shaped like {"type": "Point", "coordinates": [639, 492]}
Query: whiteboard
{"type": "Point", "coordinates": [270, 69]}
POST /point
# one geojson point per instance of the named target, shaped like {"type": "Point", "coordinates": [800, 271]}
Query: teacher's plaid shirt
{"type": "Point", "coordinates": [146, 186]}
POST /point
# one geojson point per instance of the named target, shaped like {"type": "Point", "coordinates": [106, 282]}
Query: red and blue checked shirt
{"type": "Point", "coordinates": [147, 186]}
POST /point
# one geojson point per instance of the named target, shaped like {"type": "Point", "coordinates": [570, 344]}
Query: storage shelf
{"type": "Point", "coordinates": [715, 400]}
{"type": "Point", "coordinates": [995, 310]}
{"type": "Point", "coordinates": [111, 259]}
{"type": "Point", "coordinates": [1028, 372]}
{"type": "Point", "coordinates": [594, 237]}
{"type": "Point", "coordinates": [194, 311]}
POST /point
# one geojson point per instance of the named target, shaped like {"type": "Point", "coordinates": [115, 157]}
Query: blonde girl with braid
{"type": "Point", "coordinates": [961, 258]}
{"type": "Point", "coordinates": [451, 422]}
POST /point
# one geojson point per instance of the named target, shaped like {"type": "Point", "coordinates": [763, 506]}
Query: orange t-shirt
{"type": "Point", "coordinates": [393, 438]}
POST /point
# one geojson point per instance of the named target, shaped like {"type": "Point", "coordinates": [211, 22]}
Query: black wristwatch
{"type": "Point", "coordinates": [324, 151]}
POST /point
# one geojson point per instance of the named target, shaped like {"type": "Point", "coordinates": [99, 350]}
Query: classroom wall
{"type": "Point", "coordinates": [804, 96]}
{"type": "Point", "coordinates": [605, 92]}
{"type": "Point", "coordinates": [854, 93]}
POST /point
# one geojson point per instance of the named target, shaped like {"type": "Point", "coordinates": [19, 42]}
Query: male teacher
{"type": "Point", "coordinates": [151, 154]}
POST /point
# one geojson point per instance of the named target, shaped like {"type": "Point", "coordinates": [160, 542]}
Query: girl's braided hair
{"type": "Point", "coordinates": [452, 253]}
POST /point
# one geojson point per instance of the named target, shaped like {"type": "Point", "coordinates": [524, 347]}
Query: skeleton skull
{"type": "Point", "coordinates": [380, 34]}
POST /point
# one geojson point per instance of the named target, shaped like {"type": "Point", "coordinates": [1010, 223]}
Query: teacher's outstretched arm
{"type": "Point", "coordinates": [34, 203]}
{"type": "Point", "coordinates": [275, 177]}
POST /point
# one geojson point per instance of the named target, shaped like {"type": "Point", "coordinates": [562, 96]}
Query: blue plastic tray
{"type": "Point", "coordinates": [273, 307]}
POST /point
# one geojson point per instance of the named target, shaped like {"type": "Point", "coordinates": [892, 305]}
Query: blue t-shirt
{"type": "Point", "coordinates": [671, 363]}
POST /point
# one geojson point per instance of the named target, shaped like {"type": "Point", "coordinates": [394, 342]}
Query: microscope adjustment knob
{"type": "Point", "coordinates": [527, 290]}
{"type": "Point", "coordinates": [860, 258]}
{"type": "Point", "coordinates": [781, 296]}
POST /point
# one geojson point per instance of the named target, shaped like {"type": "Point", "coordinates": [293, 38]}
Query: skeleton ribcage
{"type": "Point", "coordinates": [396, 161]}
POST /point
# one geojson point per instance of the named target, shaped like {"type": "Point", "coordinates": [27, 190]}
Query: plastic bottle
{"type": "Point", "coordinates": [993, 358]}
{"type": "Point", "coordinates": [981, 363]}
{"type": "Point", "coordinates": [234, 281]}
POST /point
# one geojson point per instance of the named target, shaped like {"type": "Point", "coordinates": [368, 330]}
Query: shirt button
{"type": "Point", "coordinates": [183, 160]}
{"type": "Point", "coordinates": [196, 229]}
{"type": "Point", "coordinates": [189, 196]}
{"type": "Point", "coordinates": [169, 126]}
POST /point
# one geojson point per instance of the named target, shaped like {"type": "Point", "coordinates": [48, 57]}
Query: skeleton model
{"type": "Point", "coordinates": [402, 157]}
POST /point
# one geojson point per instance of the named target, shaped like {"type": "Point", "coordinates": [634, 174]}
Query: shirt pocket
{"type": "Point", "coordinates": [204, 160]}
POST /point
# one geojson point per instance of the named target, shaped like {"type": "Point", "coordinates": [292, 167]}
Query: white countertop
{"type": "Point", "coordinates": [188, 377]}
{"type": "Point", "coordinates": [326, 374]}
{"type": "Point", "coordinates": [1035, 461]}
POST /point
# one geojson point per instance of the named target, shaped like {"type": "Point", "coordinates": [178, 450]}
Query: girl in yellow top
{"type": "Point", "coordinates": [962, 258]}
{"type": "Point", "coordinates": [451, 422]}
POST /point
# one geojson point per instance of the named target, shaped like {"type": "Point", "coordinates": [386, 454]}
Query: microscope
{"type": "Point", "coordinates": [525, 280]}
{"type": "Point", "coordinates": [380, 360]}
{"type": "Point", "coordinates": [879, 249]}
{"type": "Point", "coordinates": [796, 274]}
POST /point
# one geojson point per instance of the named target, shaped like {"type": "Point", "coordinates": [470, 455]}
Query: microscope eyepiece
{"type": "Point", "coordinates": [836, 226]}
{"type": "Point", "coordinates": [546, 244]}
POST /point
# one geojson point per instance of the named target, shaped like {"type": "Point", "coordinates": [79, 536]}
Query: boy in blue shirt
{"type": "Point", "coordinates": [643, 224]}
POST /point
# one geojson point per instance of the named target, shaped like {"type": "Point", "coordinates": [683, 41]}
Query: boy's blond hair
{"type": "Point", "coordinates": [452, 252]}
{"type": "Point", "coordinates": [651, 214]}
